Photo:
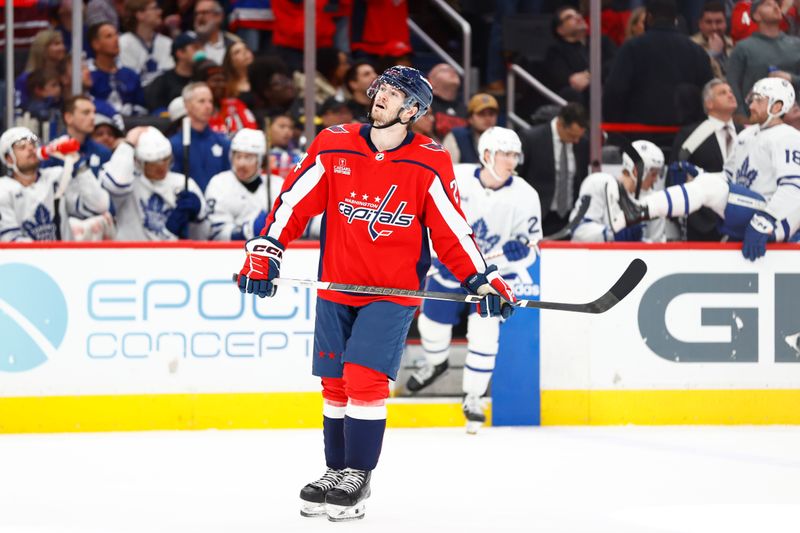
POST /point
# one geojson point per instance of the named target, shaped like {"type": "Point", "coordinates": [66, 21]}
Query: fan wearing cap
{"type": "Point", "coordinates": [28, 193]}
{"type": "Point", "coordinates": [168, 85]}
{"type": "Point", "coordinates": [462, 141]}
{"type": "Point", "coordinates": [642, 173]}
{"type": "Point", "coordinates": [150, 201]}
{"type": "Point", "coordinates": [386, 194]}
{"type": "Point", "coordinates": [758, 193]}
{"type": "Point", "coordinates": [230, 113]}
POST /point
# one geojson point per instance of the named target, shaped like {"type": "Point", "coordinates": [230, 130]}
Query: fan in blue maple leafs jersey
{"type": "Point", "coordinates": [28, 193]}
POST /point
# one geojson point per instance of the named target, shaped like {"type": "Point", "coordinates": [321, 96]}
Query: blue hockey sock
{"type": "Point", "coordinates": [333, 433]}
{"type": "Point", "coordinates": [364, 439]}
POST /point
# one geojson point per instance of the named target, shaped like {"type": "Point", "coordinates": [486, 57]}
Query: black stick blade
{"type": "Point", "coordinates": [624, 285]}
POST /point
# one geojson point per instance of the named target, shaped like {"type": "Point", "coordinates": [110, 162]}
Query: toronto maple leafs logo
{"type": "Point", "coordinates": [156, 211]}
{"type": "Point", "coordinates": [485, 241]}
{"type": "Point", "coordinates": [746, 175]}
{"type": "Point", "coordinates": [41, 228]}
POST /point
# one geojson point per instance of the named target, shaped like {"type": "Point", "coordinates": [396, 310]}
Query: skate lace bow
{"type": "Point", "coordinates": [329, 480]}
{"type": "Point", "coordinates": [353, 479]}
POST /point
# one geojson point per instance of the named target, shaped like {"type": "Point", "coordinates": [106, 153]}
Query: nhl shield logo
{"type": "Point", "coordinates": [379, 156]}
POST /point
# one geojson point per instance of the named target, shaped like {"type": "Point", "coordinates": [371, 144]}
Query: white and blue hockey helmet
{"type": "Point", "coordinates": [774, 90]}
{"type": "Point", "coordinates": [152, 146]}
{"type": "Point", "coordinates": [11, 137]}
{"type": "Point", "coordinates": [645, 157]}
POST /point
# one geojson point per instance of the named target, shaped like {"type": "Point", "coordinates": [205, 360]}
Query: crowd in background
{"type": "Point", "coordinates": [242, 63]}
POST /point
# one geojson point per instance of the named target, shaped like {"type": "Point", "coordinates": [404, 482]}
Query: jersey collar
{"type": "Point", "coordinates": [477, 175]}
{"type": "Point", "coordinates": [364, 132]}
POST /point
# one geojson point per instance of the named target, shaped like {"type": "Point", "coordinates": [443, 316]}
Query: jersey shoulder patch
{"type": "Point", "coordinates": [433, 146]}
{"type": "Point", "coordinates": [337, 129]}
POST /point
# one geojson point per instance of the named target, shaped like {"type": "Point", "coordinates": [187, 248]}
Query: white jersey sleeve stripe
{"type": "Point", "coordinates": [293, 196]}
{"type": "Point", "coordinates": [456, 223]}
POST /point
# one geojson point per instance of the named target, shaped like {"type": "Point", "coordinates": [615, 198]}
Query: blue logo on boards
{"type": "Point", "coordinates": [33, 317]}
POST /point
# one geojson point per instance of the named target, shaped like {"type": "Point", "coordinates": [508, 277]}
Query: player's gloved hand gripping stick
{"type": "Point", "coordinates": [498, 297]}
{"type": "Point", "coordinates": [262, 265]}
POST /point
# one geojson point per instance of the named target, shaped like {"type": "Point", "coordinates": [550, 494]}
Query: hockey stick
{"type": "Point", "coordinates": [624, 285]}
{"type": "Point", "coordinates": [186, 137]}
{"type": "Point", "coordinates": [567, 230]}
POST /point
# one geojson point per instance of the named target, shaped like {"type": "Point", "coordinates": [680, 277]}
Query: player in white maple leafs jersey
{"type": "Point", "coordinates": [237, 199]}
{"type": "Point", "coordinates": [28, 193]}
{"type": "Point", "coordinates": [600, 188]}
{"type": "Point", "coordinates": [151, 201]}
{"type": "Point", "coordinates": [505, 214]}
{"type": "Point", "coordinates": [758, 193]}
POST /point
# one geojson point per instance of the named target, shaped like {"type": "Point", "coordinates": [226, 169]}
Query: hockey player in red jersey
{"type": "Point", "coordinates": [383, 190]}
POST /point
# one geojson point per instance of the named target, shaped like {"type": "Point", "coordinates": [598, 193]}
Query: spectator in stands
{"type": "Point", "coordinates": [64, 24]}
{"type": "Point", "coordinates": [712, 36]}
{"type": "Point", "coordinates": [253, 21]}
{"type": "Point", "coordinates": [448, 110]}
{"type": "Point", "coordinates": [47, 51]}
{"type": "Point", "coordinates": [66, 78]}
{"type": "Point", "coordinates": [425, 125]}
{"type": "Point", "coordinates": [332, 66]}
{"type": "Point", "coordinates": [648, 71]}
{"type": "Point", "coordinates": [234, 67]}
{"type": "Point", "coordinates": [556, 161]}
{"type": "Point", "coordinates": [379, 32]}
{"type": "Point", "coordinates": [495, 67]}
{"type": "Point", "coordinates": [743, 23]}
{"type": "Point", "coordinates": [635, 25]}
{"type": "Point", "coordinates": [333, 112]}
{"type": "Point", "coordinates": [142, 48]}
{"type": "Point", "coordinates": [44, 103]}
{"type": "Point", "coordinates": [169, 84]}
{"type": "Point", "coordinates": [706, 144]}
{"type": "Point", "coordinates": [462, 141]}
{"type": "Point", "coordinates": [104, 11]}
{"type": "Point", "coordinates": [108, 125]}
{"type": "Point", "coordinates": [287, 37]}
{"type": "Point", "coordinates": [567, 59]}
{"type": "Point", "coordinates": [118, 85]}
{"type": "Point", "coordinates": [283, 152]}
{"type": "Point", "coordinates": [357, 80]}
{"type": "Point", "coordinates": [230, 114]}
{"type": "Point", "coordinates": [765, 50]}
{"type": "Point", "coordinates": [272, 86]}
{"type": "Point", "coordinates": [27, 197]}
{"type": "Point", "coordinates": [209, 149]}
{"type": "Point", "coordinates": [208, 17]}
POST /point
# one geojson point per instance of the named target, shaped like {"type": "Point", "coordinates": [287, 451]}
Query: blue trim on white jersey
{"type": "Point", "coordinates": [481, 370]}
{"type": "Point", "coordinates": [685, 197]}
{"type": "Point", "coordinates": [481, 354]}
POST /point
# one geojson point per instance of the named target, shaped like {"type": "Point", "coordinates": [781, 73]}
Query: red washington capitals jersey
{"type": "Point", "coordinates": [379, 209]}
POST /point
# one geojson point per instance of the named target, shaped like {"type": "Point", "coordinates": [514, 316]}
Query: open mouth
{"type": "Point", "coordinates": [379, 106]}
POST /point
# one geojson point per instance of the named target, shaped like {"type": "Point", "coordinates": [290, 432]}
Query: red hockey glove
{"type": "Point", "coordinates": [263, 263]}
{"type": "Point", "coordinates": [498, 297]}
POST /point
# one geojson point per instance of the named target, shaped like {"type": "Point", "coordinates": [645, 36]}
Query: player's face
{"type": "Point", "coordinates": [104, 135]}
{"type": "Point", "coordinates": [157, 170]}
{"type": "Point", "coordinates": [505, 163]}
{"type": "Point", "coordinates": [82, 117]}
{"type": "Point", "coordinates": [388, 103]}
{"type": "Point", "coordinates": [650, 178]}
{"type": "Point", "coordinates": [245, 165]}
{"type": "Point", "coordinates": [758, 108]}
{"type": "Point", "coordinates": [25, 153]}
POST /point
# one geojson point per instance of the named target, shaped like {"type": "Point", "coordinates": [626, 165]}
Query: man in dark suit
{"type": "Point", "coordinates": [556, 161]}
{"type": "Point", "coordinates": [707, 144]}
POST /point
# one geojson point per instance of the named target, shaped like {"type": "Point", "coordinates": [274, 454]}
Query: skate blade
{"type": "Point", "coordinates": [341, 513]}
{"type": "Point", "coordinates": [313, 510]}
{"type": "Point", "coordinates": [473, 427]}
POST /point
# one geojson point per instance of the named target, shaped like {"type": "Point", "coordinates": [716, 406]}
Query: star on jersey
{"type": "Point", "coordinates": [376, 213]}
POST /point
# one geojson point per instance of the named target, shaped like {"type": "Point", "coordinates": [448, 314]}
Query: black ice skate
{"type": "Point", "coordinates": [425, 376]}
{"type": "Point", "coordinates": [473, 412]}
{"type": "Point", "coordinates": [312, 496]}
{"type": "Point", "coordinates": [346, 500]}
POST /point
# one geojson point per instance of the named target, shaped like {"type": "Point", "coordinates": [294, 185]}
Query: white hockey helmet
{"type": "Point", "coordinates": [152, 146]}
{"type": "Point", "coordinates": [249, 141]}
{"type": "Point", "coordinates": [643, 156]}
{"type": "Point", "coordinates": [497, 139]}
{"type": "Point", "coordinates": [11, 137]}
{"type": "Point", "coordinates": [775, 90]}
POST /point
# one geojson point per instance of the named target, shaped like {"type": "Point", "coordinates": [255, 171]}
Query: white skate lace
{"type": "Point", "coordinates": [352, 481]}
{"type": "Point", "coordinates": [329, 480]}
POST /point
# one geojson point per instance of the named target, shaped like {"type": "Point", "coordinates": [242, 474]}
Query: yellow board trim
{"type": "Point", "coordinates": [55, 414]}
{"type": "Point", "coordinates": [663, 407]}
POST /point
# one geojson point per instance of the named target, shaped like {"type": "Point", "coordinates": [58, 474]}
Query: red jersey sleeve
{"type": "Point", "coordinates": [303, 196]}
{"type": "Point", "coordinates": [451, 235]}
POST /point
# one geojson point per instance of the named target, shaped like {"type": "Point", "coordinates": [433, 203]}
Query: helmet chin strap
{"type": "Point", "coordinates": [490, 167]}
{"type": "Point", "coordinates": [395, 120]}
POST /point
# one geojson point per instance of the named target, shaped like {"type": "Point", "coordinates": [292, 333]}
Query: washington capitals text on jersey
{"type": "Point", "coordinates": [380, 207]}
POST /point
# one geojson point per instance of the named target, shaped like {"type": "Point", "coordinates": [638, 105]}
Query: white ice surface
{"type": "Point", "coordinates": [607, 479]}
